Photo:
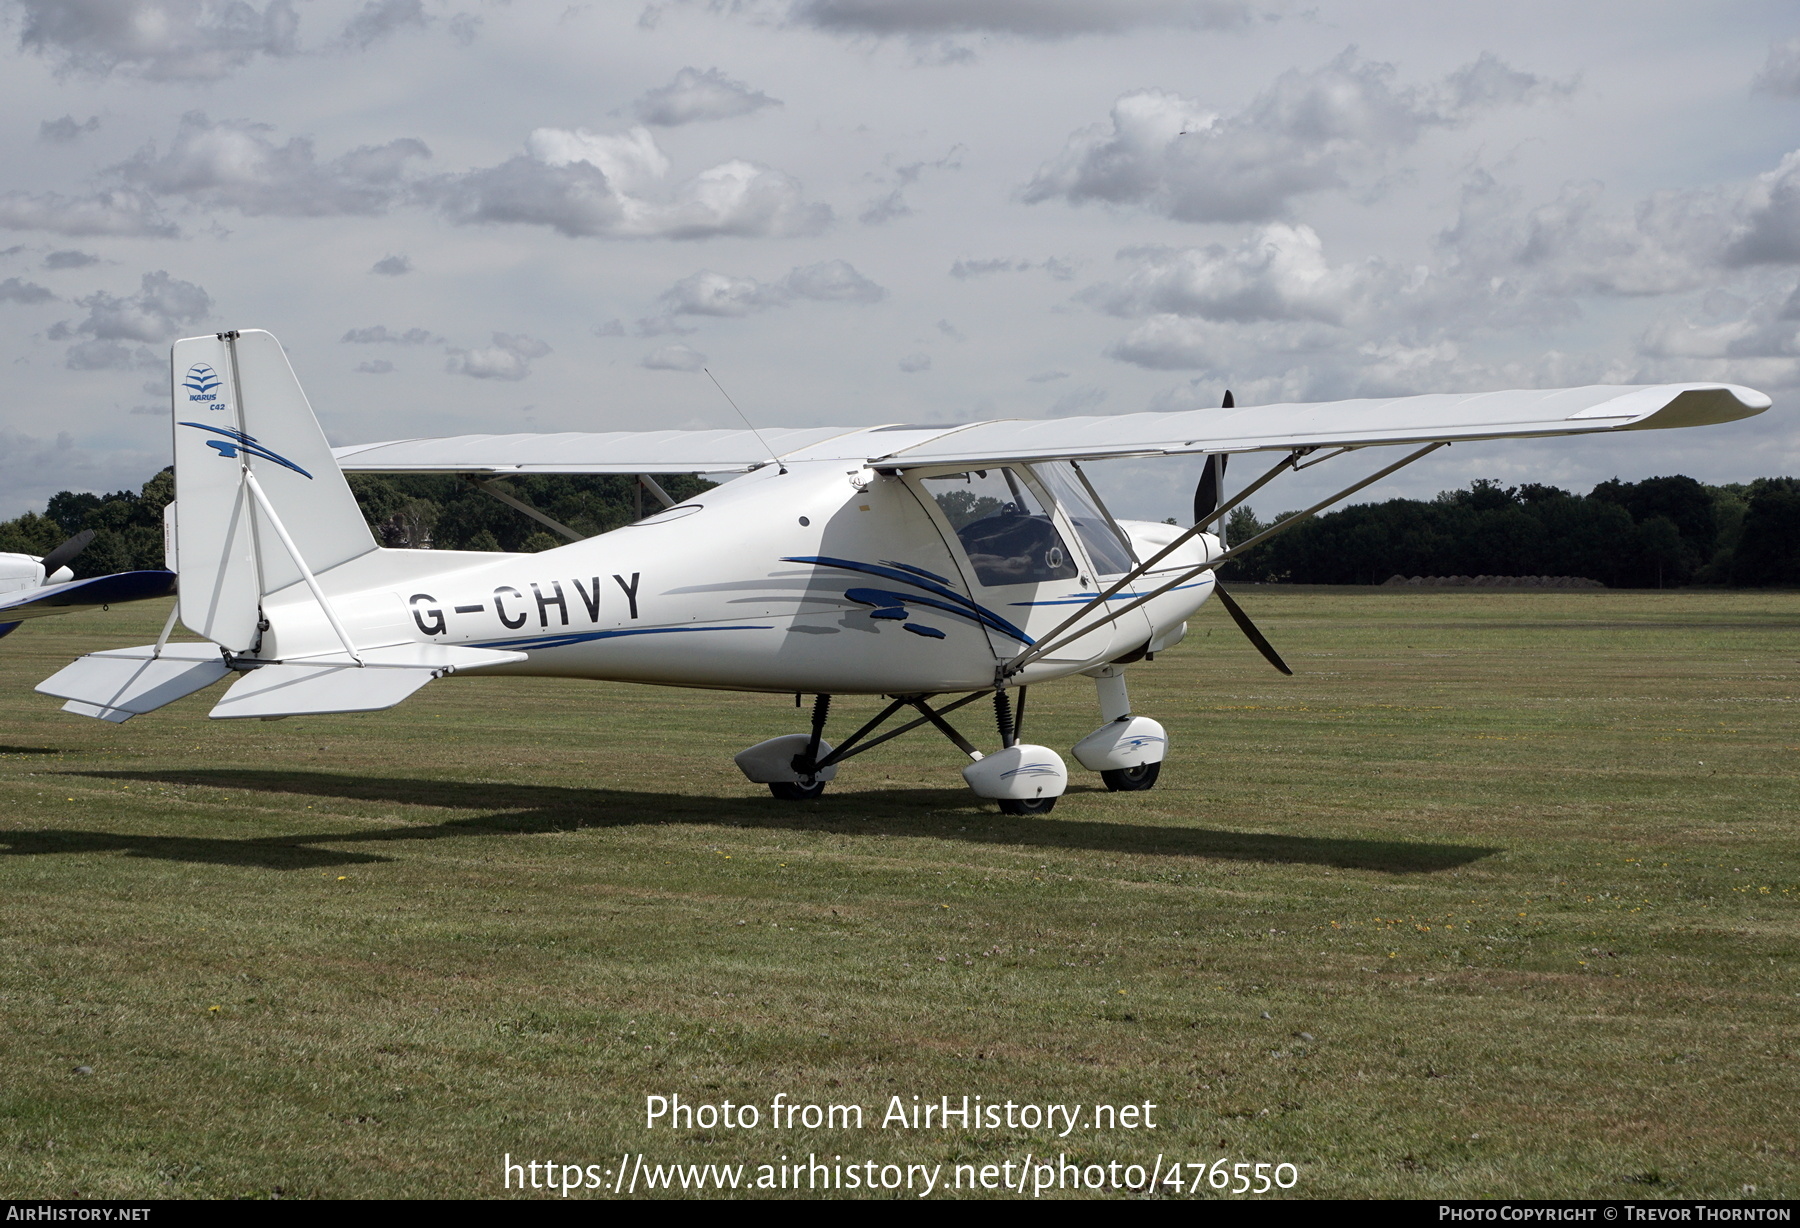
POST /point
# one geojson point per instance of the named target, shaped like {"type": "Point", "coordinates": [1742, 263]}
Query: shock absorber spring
{"type": "Point", "coordinates": [1003, 718]}
{"type": "Point", "coordinates": [821, 710]}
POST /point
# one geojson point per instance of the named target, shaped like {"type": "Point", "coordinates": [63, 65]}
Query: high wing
{"type": "Point", "coordinates": [1517, 414]}
{"type": "Point", "coordinates": [89, 594]}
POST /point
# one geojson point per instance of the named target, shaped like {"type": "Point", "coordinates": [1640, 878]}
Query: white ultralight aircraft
{"type": "Point", "coordinates": [932, 565]}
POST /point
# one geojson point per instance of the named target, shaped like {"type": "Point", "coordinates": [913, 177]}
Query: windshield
{"type": "Point", "coordinates": [1110, 553]}
{"type": "Point", "coordinates": [1007, 533]}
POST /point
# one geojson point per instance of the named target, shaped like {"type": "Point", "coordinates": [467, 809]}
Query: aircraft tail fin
{"type": "Point", "coordinates": [258, 493]}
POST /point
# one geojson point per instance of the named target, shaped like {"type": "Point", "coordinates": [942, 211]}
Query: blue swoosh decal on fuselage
{"type": "Point", "coordinates": [527, 643]}
{"type": "Point", "coordinates": [959, 605]}
{"type": "Point", "coordinates": [917, 571]}
{"type": "Point", "coordinates": [1084, 598]}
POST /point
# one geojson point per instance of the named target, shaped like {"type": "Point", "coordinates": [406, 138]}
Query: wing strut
{"type": "Point", "coordinates": [1056, 639]}
{"type": "Point", "coordinates": [519, 505]}
{"type": "Point", "coordinates": [646, 482]}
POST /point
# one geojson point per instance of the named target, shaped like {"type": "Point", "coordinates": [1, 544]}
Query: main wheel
{"type": "Point", "coordinates": [1027, 805]}
{"type": "Point", "coordinates": [1132, 780]}
{"type": "Point", "coordinates": [795, 792]}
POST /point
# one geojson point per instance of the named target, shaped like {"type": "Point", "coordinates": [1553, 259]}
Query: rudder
{"type": "Point", "coordinates": [240, 416]}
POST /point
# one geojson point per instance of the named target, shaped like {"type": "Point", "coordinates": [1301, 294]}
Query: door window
{"type": "Point", "coordinates": [1005, 529]}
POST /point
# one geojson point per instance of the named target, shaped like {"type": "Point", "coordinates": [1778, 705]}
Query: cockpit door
{"type": "Point", "coordinates": [1023, 559]}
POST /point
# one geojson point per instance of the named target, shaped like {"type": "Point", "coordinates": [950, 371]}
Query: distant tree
{"type": "Point", "coordinates": [1686, 505]}
{"type": "Point", "coordinates": [1730, 503]}
{"type": "Point", "coordinates": [1768, 552]}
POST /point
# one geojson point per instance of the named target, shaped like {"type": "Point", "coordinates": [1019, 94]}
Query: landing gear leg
{"type": "Point", "coordinates": [1128, 750]}
{"type": "Point", "coordinates": [797, 765]}
{"type": "Point", "coordinates": [809, 787]}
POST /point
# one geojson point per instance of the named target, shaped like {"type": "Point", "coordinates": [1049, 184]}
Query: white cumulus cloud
{"type": "Point", "coordinates": [65, 131]}
{"type": "Point", "coordinates": [509, 358]}
{"type": "Point", "coordinates": [115, 212]}
{"type": "Point", "coordinates": [379, 18]}
{"type": "Point", "coordinates": [235, 164]}
{"type": "Point", "coordinates": [631, 161]}
{"type": "Point", "coordinates": [675, 357]}
{"type": "Point", "coordinates": [158, 313]}
{"type": "Point", "coordinates": [29, 293]}
{"type": "Point", "coordinates": [585, 184]}
{"type": "Point", "coordinates": [381, 334]}
{"type": "Point", "coordinates": [695, 96]}
{"type": "Point", "coordinates": [708, 293]}
{"type": "Point", "coordinates": [1279, 272]}
{"type": "Point", "coordinates": [1769, 229]}
{"type": "Point", "coordinates": [1307, 132]}
{"type": "Point", "coordinates": [161, 40]}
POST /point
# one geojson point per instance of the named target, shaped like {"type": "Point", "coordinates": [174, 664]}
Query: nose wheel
{"type": "Point", "coordinates": [1132, 779]}
{"type": "Point", "coordinates": [1026, 805]}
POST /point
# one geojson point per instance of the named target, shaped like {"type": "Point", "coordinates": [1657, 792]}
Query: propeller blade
{"type": "Point", "coordinates": [68, 550]}
{"type": "Point", "coordinates": [1249, 629]}
{"type": "Point", "coordinates": [1211, 490]}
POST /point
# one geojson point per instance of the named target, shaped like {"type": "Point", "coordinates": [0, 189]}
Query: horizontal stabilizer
{"type": "Point", "coordinates": [314, 686]}
{"type": "Point", "coordinates": [126, 682]}
{"type": "Point", "coordinates": [89, 594]}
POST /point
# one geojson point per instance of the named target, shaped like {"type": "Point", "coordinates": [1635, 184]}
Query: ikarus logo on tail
{"type": "Point", "coordinates": [202, 383]}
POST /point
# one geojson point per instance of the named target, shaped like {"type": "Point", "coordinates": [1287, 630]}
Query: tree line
{"type": "Point", "coordinates": [1662, 532]}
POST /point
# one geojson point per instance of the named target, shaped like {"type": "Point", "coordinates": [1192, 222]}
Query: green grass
{"type": "Point", "coordinates": [1496, 898]}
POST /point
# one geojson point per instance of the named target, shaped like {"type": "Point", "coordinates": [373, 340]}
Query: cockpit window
{"type": "Point", "coordinates": [1007, 533]}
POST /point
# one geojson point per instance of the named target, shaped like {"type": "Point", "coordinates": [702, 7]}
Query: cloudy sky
{"type": "Point", "coordinates": [475, 216]}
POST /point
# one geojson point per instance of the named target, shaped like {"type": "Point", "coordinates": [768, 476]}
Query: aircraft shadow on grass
{"type": "Point", "coordinates": [524, 809]}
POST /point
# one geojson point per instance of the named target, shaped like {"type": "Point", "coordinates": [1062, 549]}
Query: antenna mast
{"type": "Point", "coordinates": [740, 413]}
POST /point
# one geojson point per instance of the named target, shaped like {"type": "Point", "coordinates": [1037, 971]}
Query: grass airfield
{"type": "Point", "coordinates": [1498, 897]}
